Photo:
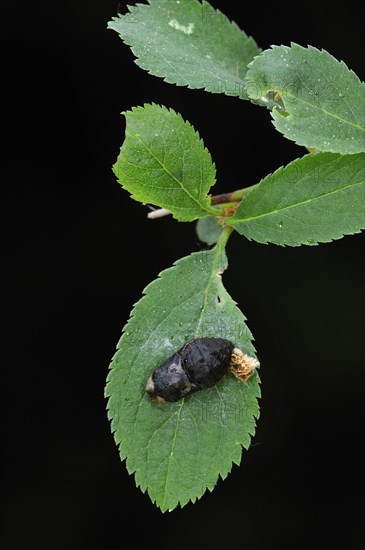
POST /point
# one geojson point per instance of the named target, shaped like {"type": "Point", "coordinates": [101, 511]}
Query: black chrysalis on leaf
{"type": "Point", "coordinates": [199, 364]}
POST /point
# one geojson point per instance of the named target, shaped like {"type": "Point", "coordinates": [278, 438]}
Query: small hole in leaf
{"type": "Point", "coordinates": [218, 299]}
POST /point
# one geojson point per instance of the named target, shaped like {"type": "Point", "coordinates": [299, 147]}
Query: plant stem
{"type": "Point", "coordinates": [224, 236]}
{"type": "Point", "coordinates": [223, 198]}
{"type": "Point", "coordinates": [234, 196]}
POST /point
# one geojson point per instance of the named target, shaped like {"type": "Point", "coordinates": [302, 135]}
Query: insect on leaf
{"type": "Point", "coordinates": [178, 450]}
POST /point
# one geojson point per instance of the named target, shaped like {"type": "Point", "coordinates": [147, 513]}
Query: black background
{"type": "Point", "coordinates": [78, 253]}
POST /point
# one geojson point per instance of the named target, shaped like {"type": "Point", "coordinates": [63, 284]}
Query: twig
{"type": "Point", "coordinates": [223, 198]}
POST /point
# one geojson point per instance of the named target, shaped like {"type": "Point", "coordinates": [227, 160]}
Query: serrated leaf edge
{"type": "Point", "coordinates": [139, 62]}
{"type": "Point", "coordinates": [256, 395]}
{"type": "Point", "coordinates": [274, 110]}
{"type": "Point", "coordinates": [272, 174]}
{"type": "Point", "coordinates": [203, 209]}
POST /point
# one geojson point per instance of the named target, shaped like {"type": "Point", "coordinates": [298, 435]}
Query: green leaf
{"type": "Point", "coordinates": [188, 44]}
{"type": "Point", "coordinates": [208, 229]}
{"type": "Point", "coordinates": [321, 103]}
{"type": "Point", "coordinates": [314, 199]}
{"type": "Point", "coordinates": [178, 450]}
{"type": "Point", "coordinates": [164, 162]}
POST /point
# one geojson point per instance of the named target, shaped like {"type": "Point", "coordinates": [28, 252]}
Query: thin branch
{"type": "Point", "coordinates": [233, 196]}
{"type": "Point", "coordinates": [223, 198]}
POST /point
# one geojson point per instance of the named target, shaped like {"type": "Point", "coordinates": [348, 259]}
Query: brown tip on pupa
{"type": "Point", "coordinates": [242, 365]}
{"type": "Point", "coordinates": [158, 399]}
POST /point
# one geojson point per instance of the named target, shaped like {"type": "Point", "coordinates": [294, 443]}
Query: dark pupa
{"type": "Point", "coordinates": [199, 364]}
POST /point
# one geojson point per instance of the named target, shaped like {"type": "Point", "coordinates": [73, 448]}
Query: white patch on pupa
{"type": "Point", "coordinates": [187, 29]}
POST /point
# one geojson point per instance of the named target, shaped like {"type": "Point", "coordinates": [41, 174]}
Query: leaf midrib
{"type": "Point", "coordinates": [169, 460]}
{"type": "Point", "coordinates": [178, 420]}
{"type": "Point", "coordinates": [224, 72]}
{"type": "Point", "coordinates": [180, 183]}
{"type": "Point", "coordinates": [296, 205]}
{"type": "Point", "coordinates": [209, 284]}
{"type": "Point", "coordinates": [321, 109]}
